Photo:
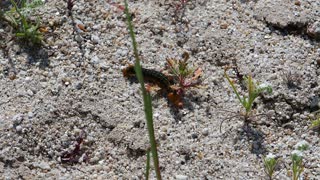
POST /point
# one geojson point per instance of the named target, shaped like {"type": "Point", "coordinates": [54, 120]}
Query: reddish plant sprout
{"type": "Point", "coordinates": [184, 77]}
{"type": "Point", "coordinates": [70, 4]}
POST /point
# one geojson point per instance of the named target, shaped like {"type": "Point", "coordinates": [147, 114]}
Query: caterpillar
{"type": "Point", "coordinates": [159, 79]}
{"type": "Point", "coordinates": [150, 75]}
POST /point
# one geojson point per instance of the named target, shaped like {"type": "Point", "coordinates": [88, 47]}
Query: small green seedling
{"type": "Point", "coordinates": [183, 75]}
{"type": "Point", "coordinates": [270, 163]}
{"type": "Point", "coordinates": [302, 146]}
{"type": "Point", "coordinates": [17, 18]}
{"type": "Point", "coordinates": [297, 164]}
{"type": "Point", "coordinates": [254, 90]}
{"type": "Point", "coordinates": [315, 124]}
{"type": "Point", "coordinates": [297, 157]}
{"type": "Point", "coordinates": [315, 121]}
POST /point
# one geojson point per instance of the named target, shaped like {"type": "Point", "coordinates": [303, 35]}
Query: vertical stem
{"type": "Point", "coordinates": [146, 96]}
{"type": "Point", "coordinates": [148, 165]}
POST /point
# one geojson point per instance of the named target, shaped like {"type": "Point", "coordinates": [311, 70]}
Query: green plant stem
{"type": "Point", "coordinates": [146, 96]}
{"type": "Point", "coordinates": [234, 88]}
{"type": "Point", "coordinates": [23, 18]}
{"type": "Point", "coordinates": [251, 95]}
{"type": "Point", "coordinates": [148, 165]}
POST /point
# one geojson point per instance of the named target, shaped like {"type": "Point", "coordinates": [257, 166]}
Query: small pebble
{"type": "Point", "coordinates": [30, 115]}
{"type": "Point", "coordinates": [19, 129]}
{"type": "Point", "coordinates": [181, 177]}
{"type": "Point", "coordinates": [224, 26]}
{"type": "Point", "coordinates": [205, 131]}
{"type": "Point", "coordinates": [30, 92]}
{"type": "Point", "coordinates": [95, 39]}
{"type": "Point", "coordinates": [194, 135]}
{"type": "Point", "coordinates": [17, 119]}
{"type": "Point", "coordinates": [78, 38]}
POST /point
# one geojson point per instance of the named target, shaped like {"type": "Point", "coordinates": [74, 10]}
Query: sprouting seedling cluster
{"type": "Point", "coordinates": [183, 75]}
{"type": "Point", "coordinates": [270, 163]}
{"type": "Point", "coordinates": [17, 18]}
{"type": "Point", "coordinates": [254, 90]}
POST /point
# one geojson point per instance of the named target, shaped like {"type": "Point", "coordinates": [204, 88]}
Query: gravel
{"type": "Point", "coordinates": [70, 92]}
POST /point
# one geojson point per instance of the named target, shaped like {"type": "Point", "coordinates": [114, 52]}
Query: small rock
{"type": "Point", "coordinates": [28, 79]}
{"type": "Point", "coordinates": [205, 131]}
{"type": "Point", "coordinates": [17, 119]}
{"type": "Point", "coordinates": [96, 27]}
{"type": "Point", "coordinates": [194, 135]}
{"type": "Point", "coordinates": [78, 85]}
{"type": "Point", "coordinates": [297, 3]}
{"type": "Point", "coordinates": [29, 92]}
{"type": "Point", "coordinates": [224, 26]}
{"type": "Point", "coordinates": [19, 129]}
{"type": "Point", "coordinates": [181, 177]}
{"type": "Point", "coordinates": [314, 30]}
{"type": "Point", "coordinates": [95, 39]}
{"type": "Point", "coordinates": [78, 38]}
{"type": "Point", "coordinates": [30, 115]}
{"type": "Point", "coordinates": [95, 60]}
{"type": "Point", "coordinates": [42, 165]}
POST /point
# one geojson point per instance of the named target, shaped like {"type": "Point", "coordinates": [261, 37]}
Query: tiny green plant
{"type": "Point", "coordinates": [184, 75]}
{"type": "Point", "coordinates": [17, 18]}
{"type": "Point", "coordinates": [270, 163]}
{"type": "Point", "coordinates": [254, 90]}
{"type": "Point", "coordinates": [302, 145]}
{"type": "Point", "coordinates": [315, 124]}
{"type": "Point", "coordinates": [27, 6]}
{"type": "Point", "coordinates": [146, 99]}
{"type": "Point", "coordinates": [297, 158]}
{"type": "Point", "coordinates": [297, 164]}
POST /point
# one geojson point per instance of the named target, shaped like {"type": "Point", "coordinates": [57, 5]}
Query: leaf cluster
{"type": "Point", "coordinates": [183, 74]}
{"type": "Point", "coordinates": [18, 18]}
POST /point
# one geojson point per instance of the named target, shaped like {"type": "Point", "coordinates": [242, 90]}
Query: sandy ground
{"type": "Point", "coordinates": [71, 89]}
